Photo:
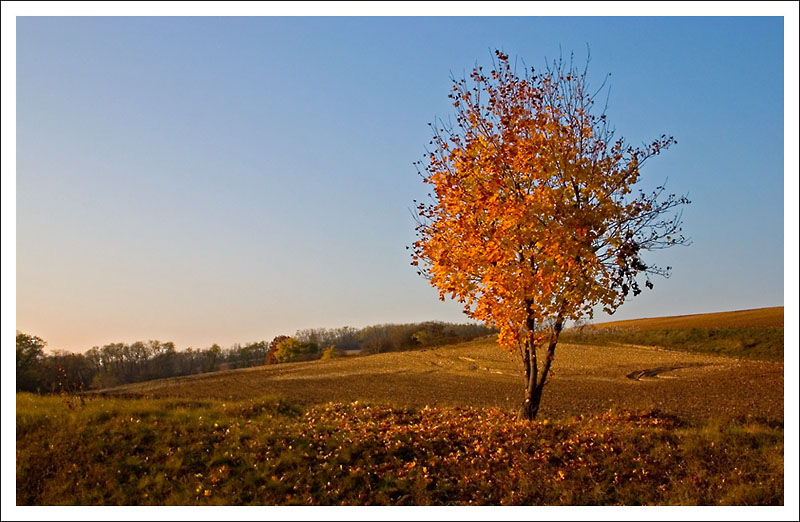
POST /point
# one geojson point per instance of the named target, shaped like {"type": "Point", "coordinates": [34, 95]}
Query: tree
{"type": "Point", "coordinates": [67, 371]}
{"type": "Point", "coordinates": [30, 351]}
{"type": "Point", "coordinates": [292, 350]}
{"type": "Point", "coordinates": [533, 220]}
{"type": "Point", "coordinates": [211, 355]}
{"type": "Point", "coordinates": [273, 348]}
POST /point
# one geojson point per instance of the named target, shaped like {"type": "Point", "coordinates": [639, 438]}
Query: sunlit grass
{"type": "Point", "coordinates": [268, 451]}
{"type": "Point", "coordinates": [764, 344]}
{"type": "Point", "coordinates": [749, 334]}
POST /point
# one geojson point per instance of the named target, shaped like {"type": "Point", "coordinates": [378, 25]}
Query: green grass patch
{"type": "Point", "coordinates": [764, 344]}
{"type": "Point", "coordinates": [105, 451]}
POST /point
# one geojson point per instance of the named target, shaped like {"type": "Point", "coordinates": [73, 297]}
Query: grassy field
{"type": "Point", "coordinates": [748, 334]}
{"type": "Point", "coordinates": [619, 424]}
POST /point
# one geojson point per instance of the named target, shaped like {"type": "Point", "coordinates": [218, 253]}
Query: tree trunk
{"type": "Point", "coordinates": [534, 382]}
{"type": "Point", "coordinates": [530, 407]}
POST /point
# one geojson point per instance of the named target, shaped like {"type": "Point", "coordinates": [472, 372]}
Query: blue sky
{"type": "Point", "coordinates": [222, 180]}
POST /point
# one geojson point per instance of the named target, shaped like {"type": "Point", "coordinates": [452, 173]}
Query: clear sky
{"type": "Point", "coordinates": [222, 180]}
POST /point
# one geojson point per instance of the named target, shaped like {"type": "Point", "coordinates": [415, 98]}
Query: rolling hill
{"type": "Point", "coordinates": [586, 378]}
{"type": "Point", "coordinates": [747, 334]}
{"type": "Point", "coordinates": [754, 318]}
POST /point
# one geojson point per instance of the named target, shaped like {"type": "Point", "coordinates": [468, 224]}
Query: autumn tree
{"type": "Point", "coordinates": [534, 219]}
{"type": "Point", "coordinates": [273, 348]}
{"type": "Point", "coordinates": [292, 350]}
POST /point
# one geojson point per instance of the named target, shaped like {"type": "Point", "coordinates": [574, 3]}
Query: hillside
{"type": "Point", "coordinates": [754, 318]}
{"type": "Point", "coordinates": [746, 334]}
{"type": "Point", "coordinates": [586, 379]}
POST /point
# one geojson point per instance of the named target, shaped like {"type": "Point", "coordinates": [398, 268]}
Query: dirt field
{"type": "Point", "coordinates": [586, 379]}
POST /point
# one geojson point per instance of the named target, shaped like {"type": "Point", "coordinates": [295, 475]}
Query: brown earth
{"type": "Point", "coordinates": [586, 379]}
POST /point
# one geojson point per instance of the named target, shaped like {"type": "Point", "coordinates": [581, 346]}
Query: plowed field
{"type": "Point", "coordinates": [586, 379]}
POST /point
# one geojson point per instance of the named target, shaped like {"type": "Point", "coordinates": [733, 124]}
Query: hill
{"type": "Point", "coordinates": [586, 379]}
{"type": "Point", "coordinates": [747, 334]}
{"type": "Point", "coordinates": [754, 318]}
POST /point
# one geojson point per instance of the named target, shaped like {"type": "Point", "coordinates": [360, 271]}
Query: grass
{"type": "Point", "coordinates": [267, 451]}
{"type": "Point", "coordinates": [755, 334]}
{"type": "Point", "coordinates": [765, 344]}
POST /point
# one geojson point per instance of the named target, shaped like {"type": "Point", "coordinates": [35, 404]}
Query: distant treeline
{"type": "Point", "coordinates": [392, 337]}
{"type": "Point", "coordinates": [120, 363]}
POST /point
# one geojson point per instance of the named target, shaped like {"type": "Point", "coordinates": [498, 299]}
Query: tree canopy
{"type": "Point", "coordinates": [534, 219]}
